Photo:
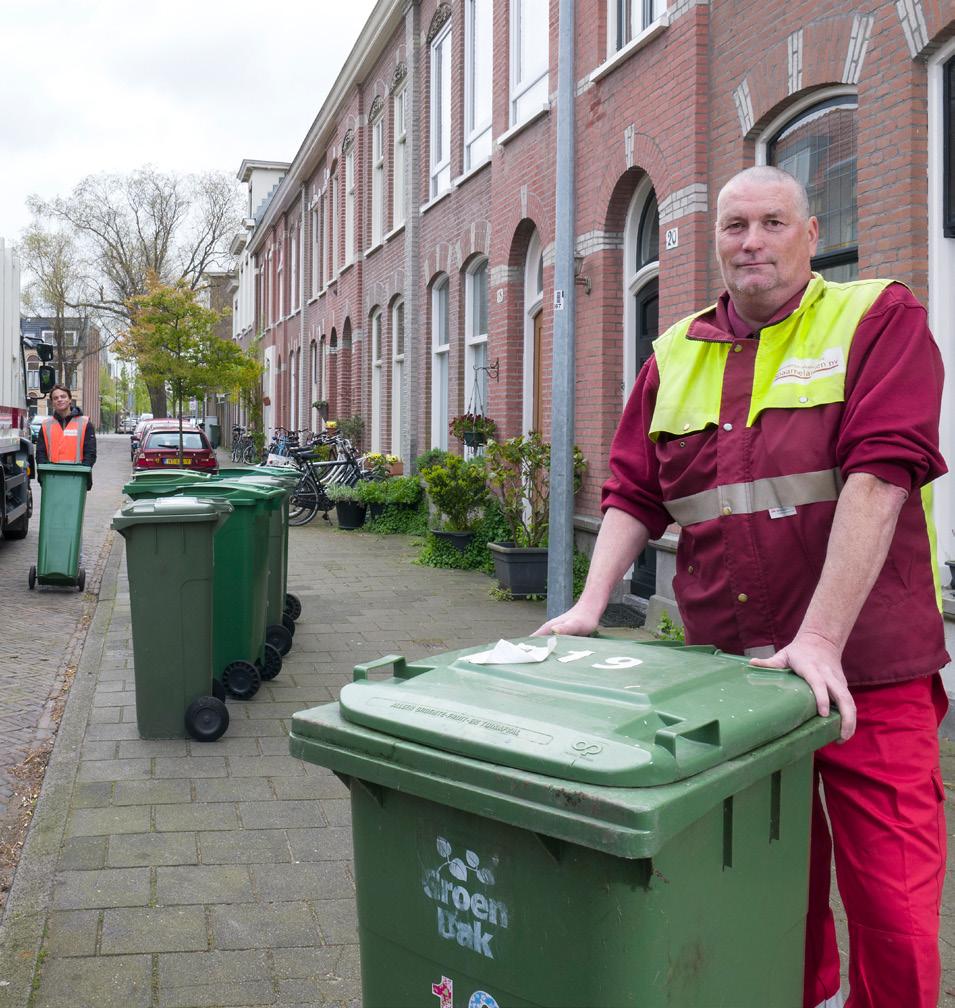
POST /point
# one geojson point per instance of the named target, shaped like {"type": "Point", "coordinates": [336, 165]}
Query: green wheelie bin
{"type": "Point", "coordinates": [161, 483]}
{"type": "Point", "coordinates": [280, 630]}
{"type": "Point", "coordinates": [169, 561]}
{"type": "Point", "coordinates": [616, 825]}
{"type": "Point", "coordinates": [290, 477]}
{"type": "Point", "coordinates": [62, 503]}
{"type": "Point", "coordinates": [241, 657]}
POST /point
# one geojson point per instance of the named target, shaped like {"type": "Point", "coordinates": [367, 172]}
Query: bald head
{"type": "Point", "coordinates": [768, 175]}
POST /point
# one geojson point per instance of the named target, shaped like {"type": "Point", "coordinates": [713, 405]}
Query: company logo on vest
{"type": "Point", "coordinates": [465, 914]}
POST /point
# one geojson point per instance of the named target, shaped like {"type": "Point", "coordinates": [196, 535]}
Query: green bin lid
{"type": "Point", "coordinates": [64, 468]}
{"type": "Point", "coordinates": [606, 712]}
{"type": "Point", "coordinates": [158, 475]}
{"type": "Point", "coordinates": [170, 510]}
{"type": "Point", "coordinates": [241, 492]}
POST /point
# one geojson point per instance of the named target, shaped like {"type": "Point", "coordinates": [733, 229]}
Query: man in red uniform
{"type": "Point", "coordinates": [792, 431]}
{"type": "Point", "coordinates": [67, 435]}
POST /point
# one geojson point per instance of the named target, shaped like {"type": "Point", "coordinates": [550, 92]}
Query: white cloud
{"type": "Point", "coordinates": [186, 85]}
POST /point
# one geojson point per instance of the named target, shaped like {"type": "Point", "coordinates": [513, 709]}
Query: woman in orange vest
{"type": "Point", "coordinates": [67, 435]}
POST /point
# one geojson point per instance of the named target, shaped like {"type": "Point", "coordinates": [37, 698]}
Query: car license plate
{"type": "Point", "coordinates": [175, 461]}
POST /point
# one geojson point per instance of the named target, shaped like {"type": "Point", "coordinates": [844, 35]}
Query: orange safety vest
{"type": "Point", "coordinates": [64, 444]}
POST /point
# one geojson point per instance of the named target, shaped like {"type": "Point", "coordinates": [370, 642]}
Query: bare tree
{"type": "Point", "coordinates": [175, 227]}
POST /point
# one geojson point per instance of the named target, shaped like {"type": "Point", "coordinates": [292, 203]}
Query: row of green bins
{"type": "Point", "coordinates": [241, 657]}
{"type": "Point", "coordinates": [62, 505]}
{"type": "Point", "coordinates": [617, 825]}
{"type": "Point", "coordinates": [169, 545]}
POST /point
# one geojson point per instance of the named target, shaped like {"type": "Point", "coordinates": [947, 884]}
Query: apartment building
{"type": "Point", "coordinates": [405, 263]}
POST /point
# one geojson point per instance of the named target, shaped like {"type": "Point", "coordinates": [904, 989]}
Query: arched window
{"type": "Point", "coordinates": [641, 269]}
{"type": "Point", "coordinates": [440, 348]}
{"type": "Point", "coordinates": [533, 333]}
{"type": "Point", "coordinates": [819, 145]}
{"type": "Point", "coordinates": [376, 376]}
{"type": "Point", "coordinates": [397, 371]}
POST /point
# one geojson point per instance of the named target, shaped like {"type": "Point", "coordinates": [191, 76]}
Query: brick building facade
{"type": "Point", "coordinates": [404, 265]}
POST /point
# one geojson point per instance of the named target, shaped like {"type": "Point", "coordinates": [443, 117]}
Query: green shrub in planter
{"type": "Point", "coordinates": [458, 489]}
{"type": "Point", "coordinates": [433, 456]}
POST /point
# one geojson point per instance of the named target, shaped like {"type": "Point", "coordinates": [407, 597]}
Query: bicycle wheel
{"type": "Point", "coordinates": [236, 451]}
{"type": "Point", "coordinates": [304, 502]}
{"type": "Point", "coordinates": [248, 455]}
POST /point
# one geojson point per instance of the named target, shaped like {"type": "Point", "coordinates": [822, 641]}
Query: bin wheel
{"type": "Point", "coordinates": [272, 662]}
{"type": "Point", "coordinates": [288, 623]}
{"type": "Point", "coordinates": [31, 578]}
{"type": "Point", "coordinates": [207, 719]}
{"type": "Point", "coordinates": [293, 605]}
{"type": "Point", "coordinates": [241, 679]}
{"type": "Point", "coordinates": [218, 690]}
{"type": "Point", "coordinates": [279, 638]}
{"type": "Point", "coordinates": [81, 579]}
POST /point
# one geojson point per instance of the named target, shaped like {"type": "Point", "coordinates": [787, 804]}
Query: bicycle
{"type": "Point", "coordinates": [243, 445]}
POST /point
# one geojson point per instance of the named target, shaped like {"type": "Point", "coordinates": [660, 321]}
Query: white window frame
{"type": "Point", "coordinates": [477, 128]}
{"type": "Point", "coordinates": [280, 279]}
{"type": "Point", "coordinates": [316, 249]}
{"type": "Point", "coordinates": [644, 14]}
{"type": "Point", "coordinates": [399, 155]}
{"type": "Point", "coordinates": [336, 225]}
{"type": "Point", "coordinates": [440, 355]}
{"type": "Point", "coordinates": [440, 112]}
{"type": "Point", "coordinates": [528, 94]}
{"type": "Point", "coordinates": [533, 303]}
{"type": "Point", "coordinates": [314, 421]}
{"type": "Point", "coordinates": [634, 280]}
{"type": "Point", "coordinates": [270, 288]}
{"type": "Point", "coordinates": [350, 206]}
{"type": "Point", "coordinates": [293, 271]}
{"type": "Point", "coordinates": [397, 372]}
{"type": "Point", "coordinates": [378, 180]}
{"type": "Point", "coordinates": [326, 238]}
{"type": "Point", "coordinates": [377, 364]}
{"type": "Point", "coordinates": [475, 341]}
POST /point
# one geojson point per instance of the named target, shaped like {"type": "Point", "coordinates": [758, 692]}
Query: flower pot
{"type": "Point", "coordinates": [474, 438]}
{"type": "Point", "coordinates": [396, 469]}
{"type": "Point", "coordinates": [322, 411]}
{"type": "Point", "coordinates": [350, 514]}
{"type": "Point", "coordinates": [521, 570]}
{"type": "Point", "coordinates": [375, 511]}
{"type": "Point", "coordinates": [459, 540]}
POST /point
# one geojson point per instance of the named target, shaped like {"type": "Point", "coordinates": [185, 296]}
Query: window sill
{"type": "Point", "coordinates": [346, 268]}
{"type": "Point", "coordinates": [470, 173]}
{"type": "Point", "coordinates": [394, 232]}
{"type": "Point", "coordinates": [373, 248]}
{"type": "Point", "coordinates": [437, 199]}
{"type": "Point", "coordinates": [509, 134]}
{"type": "Point", "coordinates": [635, 44]}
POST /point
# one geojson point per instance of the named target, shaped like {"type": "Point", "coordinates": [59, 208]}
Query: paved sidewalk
{"type": "Point", "coordinates": [174, 873]}
{"type": "Point", "coordinates": [165, 874]}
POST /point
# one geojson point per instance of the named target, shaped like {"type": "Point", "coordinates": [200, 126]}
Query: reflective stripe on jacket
{"type": "Point", "coordinates": [64, 443]}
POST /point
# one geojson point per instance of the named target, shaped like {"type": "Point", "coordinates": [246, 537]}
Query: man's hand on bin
{"type": "Point", "coordinates": [819, 662]}
{"type": "Point", "coordinates": [578, 621]}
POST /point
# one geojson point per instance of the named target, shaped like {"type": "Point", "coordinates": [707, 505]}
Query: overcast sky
{"type": "Point", "coordinates": [89, 86]}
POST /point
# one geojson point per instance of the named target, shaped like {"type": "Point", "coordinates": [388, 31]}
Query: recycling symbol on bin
{"type": "Point", "coordinates": [461, 868]}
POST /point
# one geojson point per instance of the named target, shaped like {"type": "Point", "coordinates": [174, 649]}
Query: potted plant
{"type": "Point", "coordinates": [349, 508]}
{"type": "Point", "coordinates": [458, 490]}
{"type": "Point", "coordinates": [322, 406]}
{"type": "Point", "coordinates": [383, 465]}
{"type": "Point", "coordinates": [472, 428]}
{"type": "Point", "coordinates": [519, 476]}
{"type": "Point", "coordinates": [395, 492]}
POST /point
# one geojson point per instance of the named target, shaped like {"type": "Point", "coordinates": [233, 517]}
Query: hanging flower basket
{"type": "Point", "coordinates": [472, 428]}
{"type": "Point", "coordinates": [473, 438]}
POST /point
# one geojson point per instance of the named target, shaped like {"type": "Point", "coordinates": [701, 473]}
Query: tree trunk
{"type": "Point", "coordinates": [157, 400]}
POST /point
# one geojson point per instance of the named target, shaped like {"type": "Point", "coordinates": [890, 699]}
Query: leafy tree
{"type": "Point", "coordinates": [129, 227]}
{"type": "Point", "coordinates": [173, 341]}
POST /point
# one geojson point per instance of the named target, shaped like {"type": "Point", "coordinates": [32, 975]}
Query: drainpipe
{"type": "Point", "coordinates": [560, 554]}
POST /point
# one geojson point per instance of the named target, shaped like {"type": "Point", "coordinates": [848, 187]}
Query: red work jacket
{"type": "Point", "coordinates": [64, 443]}
{"type": "Point", "coordinates": [743, 582]}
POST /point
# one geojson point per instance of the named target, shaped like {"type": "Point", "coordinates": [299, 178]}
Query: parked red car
{"type": "Point", "coordinates": [160, 449]}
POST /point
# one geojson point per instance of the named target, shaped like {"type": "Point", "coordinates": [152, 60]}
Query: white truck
{"type": "Point", "coordinates": [16, 447]}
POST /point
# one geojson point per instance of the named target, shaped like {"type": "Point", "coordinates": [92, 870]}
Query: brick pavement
{"type": "Point", "coordinates": [169, 873]}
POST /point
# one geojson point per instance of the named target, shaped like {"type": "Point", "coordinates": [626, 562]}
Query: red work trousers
{"type": "Point", "coordinates": [885, 802]}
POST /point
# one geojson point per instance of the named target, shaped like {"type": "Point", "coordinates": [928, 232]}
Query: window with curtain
{"type": "Point", "coordinates": [441, 111]}
{"type": "Point", "coordinates": [530, 55]}
{"type": "Point", "coordinates": [478, 82]}
{"type": "Point", "coordinates": [819, 147]}
{"type": "Point", "coordinates": [440, 348]}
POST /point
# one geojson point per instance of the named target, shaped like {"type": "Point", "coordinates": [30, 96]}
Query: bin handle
{"type": "Point", "coordinates": [699, 732]}
{"type": "Point", "coordinates": [399, 670]}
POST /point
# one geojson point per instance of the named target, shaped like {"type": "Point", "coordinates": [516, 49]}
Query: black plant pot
{"type": "Point", "coordinates": [521, 570]}
{"type": "Point", "coordinates": [350, 514]}
{"type": "Point", "coordinates": [459, 540]}
{"type": "Point", "coordinates": [375, 511]}
{"type": "Point", "coordinates": [473, 438]}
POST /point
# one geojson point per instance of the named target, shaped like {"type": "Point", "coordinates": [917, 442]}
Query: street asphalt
{"type": "Point", "coordinates": [176, 874]}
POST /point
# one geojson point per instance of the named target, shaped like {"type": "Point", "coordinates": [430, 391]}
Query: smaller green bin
{"type": "Point", "coordinates": [241, 656]}
{"type": "Point", "coordinates": [169, 560]}
{"type": "Point", "coordinates": [289, 477]}
{"type": "Point", "coordinates": [62, 505]}
{"type": "Point", "coordinates": [162, 483]}
{"type": "Point", "coordinates": [618, 825]}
